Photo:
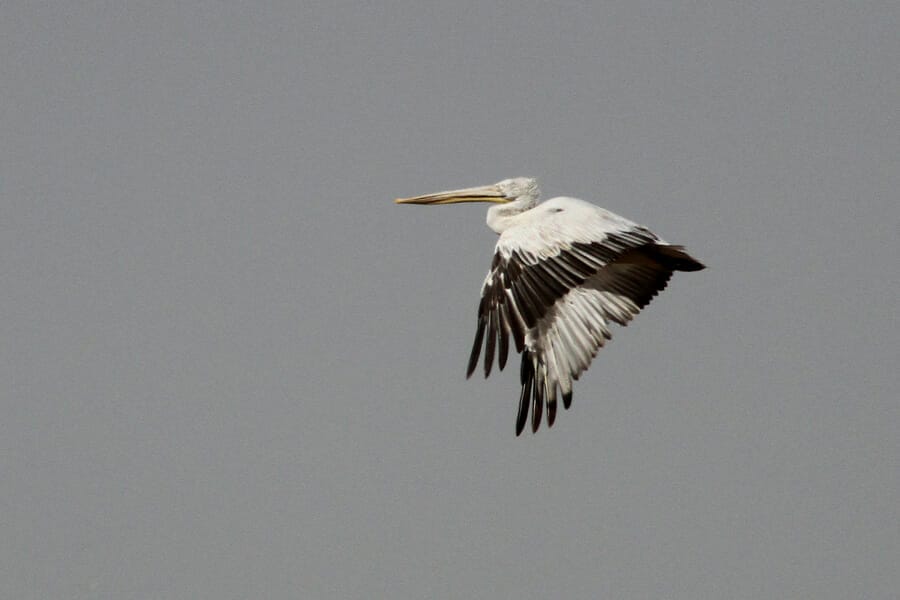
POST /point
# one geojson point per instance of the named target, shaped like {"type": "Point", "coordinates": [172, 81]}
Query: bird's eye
{"type": "Point", "coordinates": [556, 210]}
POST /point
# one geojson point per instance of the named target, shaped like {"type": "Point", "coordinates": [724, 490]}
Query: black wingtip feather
{"type": "Point", "coordinates": [551, 410]}
{"type": "Point", "coordinates": [504, 339]}
{"type": "Point", "coordinates": [476, 348]}
{"type": "Point", "coordinates": [677, 259]}
{"type": "Point", "coordinates": [537, 405]}
{"type": "Point", "coordinates": [524, 399]}
{"type": "Point", "coordinates": [567, 400]}
{"type": "Point", "coordinates": [527, 379]}
{"type": "Point", "coordinates": [490, 343]}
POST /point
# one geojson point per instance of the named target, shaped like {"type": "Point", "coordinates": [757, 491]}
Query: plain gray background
{"type": "Point", "coordinates": [232, 368]}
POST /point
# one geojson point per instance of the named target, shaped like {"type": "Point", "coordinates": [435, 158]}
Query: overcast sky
{"type": "Point", "coordinates": [233, 368]}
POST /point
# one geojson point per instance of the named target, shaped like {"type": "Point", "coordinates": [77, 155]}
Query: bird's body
{"type": "Point", "coordinates": [562, 271]}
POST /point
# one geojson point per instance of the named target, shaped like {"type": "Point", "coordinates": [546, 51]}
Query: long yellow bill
{"type": "Point", "coordinates": [484, 193]}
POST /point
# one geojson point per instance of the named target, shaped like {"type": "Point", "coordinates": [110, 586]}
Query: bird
{"type": "Point", "coordinates": [563, 271]}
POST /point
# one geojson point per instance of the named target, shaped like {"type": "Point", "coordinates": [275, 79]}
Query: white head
{"type": "Point", "coordinates": [520, 188]}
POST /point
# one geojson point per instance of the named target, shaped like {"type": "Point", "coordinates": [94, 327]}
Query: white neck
{"type": "Point", "coordinates": [501, 217]}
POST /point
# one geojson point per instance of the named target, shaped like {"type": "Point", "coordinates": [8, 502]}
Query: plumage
{"type": "Point", "coordinates": [562, 271]}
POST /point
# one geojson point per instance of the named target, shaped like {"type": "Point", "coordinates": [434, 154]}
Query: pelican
{"type": "Point", "coordinates": [562, 271]}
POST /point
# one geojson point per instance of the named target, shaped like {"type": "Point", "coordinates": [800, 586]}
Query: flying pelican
{"type": "Point", "coordinates": [562, 271]}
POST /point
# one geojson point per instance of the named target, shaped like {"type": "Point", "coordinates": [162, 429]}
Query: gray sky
{"type": "Point", "coordinates": [232, 368]}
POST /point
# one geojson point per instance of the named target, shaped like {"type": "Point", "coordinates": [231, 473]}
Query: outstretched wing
{"type": "Point", "coordinates": [554, 286]}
